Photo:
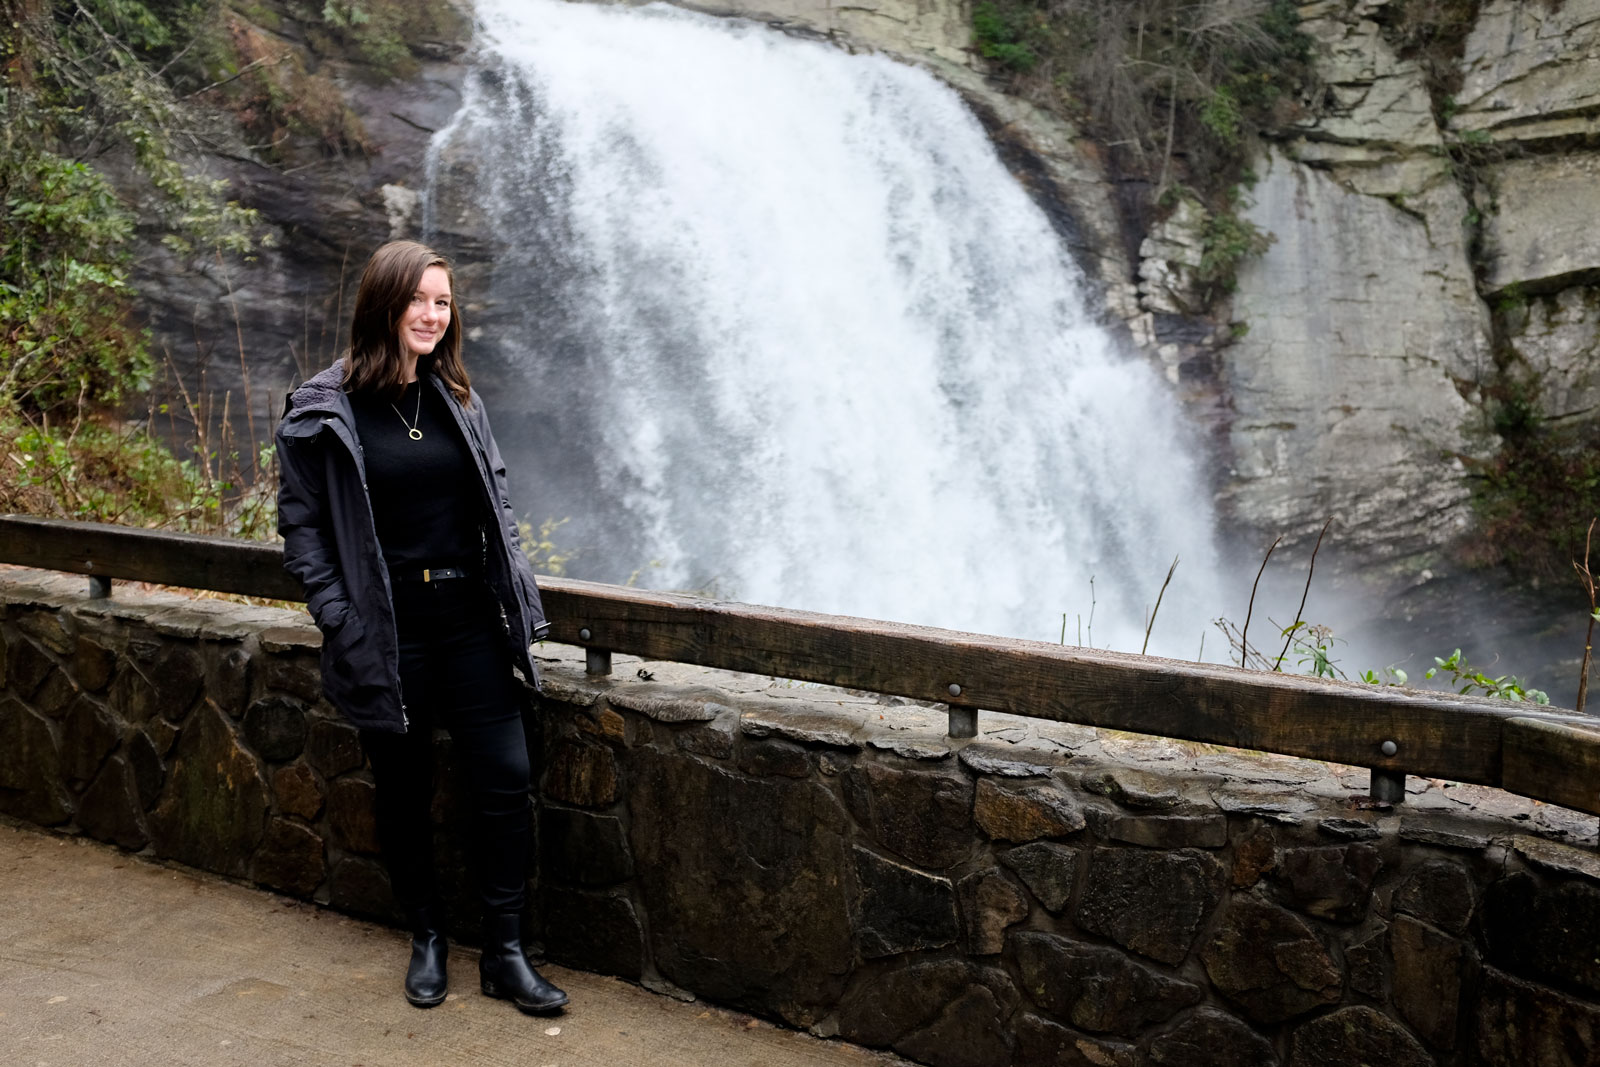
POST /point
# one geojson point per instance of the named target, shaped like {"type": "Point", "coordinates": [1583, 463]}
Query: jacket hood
{"type": "Point", "coordinates": [316, 398]}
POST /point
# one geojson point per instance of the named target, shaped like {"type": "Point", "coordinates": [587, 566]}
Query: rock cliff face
{"type": "Point", "coordinates": [324, 212]}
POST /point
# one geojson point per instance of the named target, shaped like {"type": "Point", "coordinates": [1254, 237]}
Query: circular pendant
{"type": "Point", "coordinates": [416, 434]}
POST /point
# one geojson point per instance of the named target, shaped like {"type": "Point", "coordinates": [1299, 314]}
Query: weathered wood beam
{"type": "Point", "coordinates": [1546, 754]}
{"type": "Point", "coordinates": [1553, 759]}
{"type": "Point", "coordinates": [1437, 735]}
{"type": "Point", "coordinates": [225, 565]}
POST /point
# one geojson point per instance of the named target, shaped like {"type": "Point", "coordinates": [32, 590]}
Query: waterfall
{"type": "Point", "coordinates": [771, 320]}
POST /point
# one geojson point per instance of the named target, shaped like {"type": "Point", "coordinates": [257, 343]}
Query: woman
{"type": "Point", "coordinates": [395, 516]}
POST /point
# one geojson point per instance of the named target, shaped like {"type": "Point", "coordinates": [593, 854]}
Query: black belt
{"type": "Point", "coordinates": [429, 574]}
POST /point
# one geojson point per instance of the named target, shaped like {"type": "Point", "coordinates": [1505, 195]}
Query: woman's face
{"type": "Point", "coordinates": [426, 319]}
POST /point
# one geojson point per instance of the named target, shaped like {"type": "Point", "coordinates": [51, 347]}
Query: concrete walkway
{"type": "Point", "coordinates": [107, 960]}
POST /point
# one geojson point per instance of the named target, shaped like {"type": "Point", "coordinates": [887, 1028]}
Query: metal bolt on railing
{"type": "Point", "coordinates": [1388, 787]}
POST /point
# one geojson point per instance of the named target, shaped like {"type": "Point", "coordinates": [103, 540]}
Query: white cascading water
{"type": "Point", "coordinates": [820, 348]}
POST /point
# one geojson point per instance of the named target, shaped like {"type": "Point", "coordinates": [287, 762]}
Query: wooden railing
{"type": "Point", "coordinates": [1541, 753]}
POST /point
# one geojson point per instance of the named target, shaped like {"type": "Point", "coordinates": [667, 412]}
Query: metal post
{"type": "Point", "coordinates": [963, 721]}
{"type": "Point", "coordinates": [1388, 787]}
{"type": "Point", "coordinates": [597, 660]}
{"type": "Point", "coordinates": [99, 587]}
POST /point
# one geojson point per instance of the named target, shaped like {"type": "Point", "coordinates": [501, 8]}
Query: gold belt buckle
{"type": "Point", "coordinates": [426, 575]}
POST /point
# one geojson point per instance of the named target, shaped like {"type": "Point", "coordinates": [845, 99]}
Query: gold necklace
{"type": "Point", "coordinates": [416, 420]}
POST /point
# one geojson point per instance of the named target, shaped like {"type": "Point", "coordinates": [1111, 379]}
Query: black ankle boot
{"type": "Point", "coordinates": [504, 968]}
{"type": "Point", "coordinates": [425, 978]}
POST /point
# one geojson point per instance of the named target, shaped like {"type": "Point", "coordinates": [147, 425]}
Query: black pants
{"type": "Point", "coordinates": [455, 673]}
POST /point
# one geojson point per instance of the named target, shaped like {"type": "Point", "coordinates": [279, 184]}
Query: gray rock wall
{"type": "Point", "coordinates": [1042, 894]}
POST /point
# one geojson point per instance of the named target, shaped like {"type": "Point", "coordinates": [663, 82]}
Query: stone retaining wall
{"type": "Point", "coordinates": [1038, 895]}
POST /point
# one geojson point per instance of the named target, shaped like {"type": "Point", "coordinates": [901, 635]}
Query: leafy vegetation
{"type": "Point", "coordinates": [105, 104]}
{"type": "Point", "coordinates": [1178, 88]}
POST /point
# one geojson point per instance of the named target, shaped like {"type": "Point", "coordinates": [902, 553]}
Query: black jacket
{"type": "Point", "coordinates": [331, 545]}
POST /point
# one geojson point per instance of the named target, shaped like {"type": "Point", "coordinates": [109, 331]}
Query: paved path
{"type": "Point", "coordinates": [106, 960]}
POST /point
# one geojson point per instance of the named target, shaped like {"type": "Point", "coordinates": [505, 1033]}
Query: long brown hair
{"type": "Point", "coordinates": [388, 283]}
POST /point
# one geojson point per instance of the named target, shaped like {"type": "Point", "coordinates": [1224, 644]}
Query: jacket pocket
{"type": "Point", "coordinates": [339, 638]}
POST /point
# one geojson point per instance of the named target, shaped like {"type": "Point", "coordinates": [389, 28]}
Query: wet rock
{"type": "Point", "coordinates": [1006, 761]}
{"type": "Point", "coordinates": [148, 771]}
{"type": "Point", "coordinates": [89, 733]}
{"type": "Point", "coordinates": [1253, 857]}
{"type": "Point", "coordinates": [282, 640]}
{"type": "Point", "coordinates": [352, 815]}
{"type": "Point", "coordinates": [47, 628]}
{"type": "Point", "coordinates": [911, 748]}
{"type": "Point", "coordinates": [1429, 972]}
{"type": "Point", "coordinates": [212, 812]}
{"type": "Point", "coordinates": [969, 1032]}
{"type": "Point", "coordinates": [754, 915]}
{"type": "Point", "coordinates": [333, 747]}
{"type": "Point", "coordinates": [1440, 894]}
{"type": "Point", "coordinates": [1357, 1035]}
{"type": "Point", "coordinates": [1349, 829]}
{"type": "Point", "coordinates": [92, 664]}
{"type": "Point", "coordinates": [1047, 869]}
{"type": "Point", "coordinates": [298, 677]}
{"type": "Point", "coordinates": [1330, 883]}
{"type": "Point", "coordinates": [56, 694]}
{"type": "Point", "coordinates": [1025, 814]}
{"type": "Point", "coordinates": [229, 685]}
{"type": "Point", "coordinates": [1097, 988]}
{"type": "Point", "coordinates": [1426, 833]}
{"type": "Point", "coordinates": [163, 735]}
{"type": "Point", "coordinates": [922, 815]}
{"type": "Point", "coordinates": [167, 685]}
{"type": "Point", "coordinates": [715, 740]}
{"type": "Point", "coordinates": [1524, 1025]}
{"type": "Point", "coordinates": [27, 666]}
{"type": "Point", "coordinates": [276, 727]}
{"type": "Point", "coordinates": [582, 773]}
{"type": "Point", "coordinates": [878, 1009]}
{"type": "Point", "coordinates": [578, 848]}
{"type": "Point", "coordinates": [990, 902]}
{"type": "Point", "coordinates": [597, 932]}
{"type": "Point", "coordinates": [109, 809]}
{"type": "Point", "coordinates": [30, 767]}
{"type": "Point", "coordinates": [1557, 858]}
{"type": "Point", "coordinates": [290, 859]}
{"type": "Point", "coordinates": [1367, 962]}
{"type": "Point", "coordinates": [1267, 961]}
{"type": "Point", "coordinates": [811, 727]}
{"type": "Point", "coordinates": [1547, 933]}
{"type": "Point", "coordinates": [1252, 800]}
{"type": "Point", "coordinates": [360, 887]}
{"type": "Point", "coordinates": [297, 791]}
{"type": "Point", "coordinates": [1133, 788]}
{"type": "Point", "coordinates": [604, 723]}
{"type": "Point", "coordinates": [1211, 1038]}
{"type": "Point", "coordinates": [1161, 831]}
{"type": "Point", "coordinates": [1151, 902]}
{"type": "Point", "coordinates": [176, 679]}
{"type": "Point", "coordinates": [900, 909]}
{"type": "Point", "coordinates": [764, 758]}
{"type": "Point", "coordinates": [686, 703]}
{"type": "Point", "coordinates": [1041, 1043]}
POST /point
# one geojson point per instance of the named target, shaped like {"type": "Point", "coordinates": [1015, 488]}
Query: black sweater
{"type": "Point", "coordinates": [426, 499]}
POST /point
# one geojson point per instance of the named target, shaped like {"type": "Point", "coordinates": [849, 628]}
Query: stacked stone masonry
{"type": "Point", "coordinates": [1041, 894]}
